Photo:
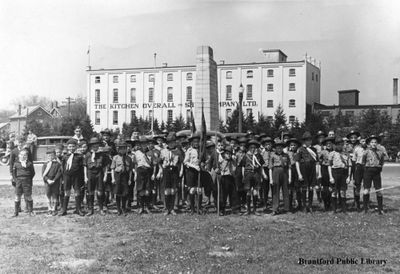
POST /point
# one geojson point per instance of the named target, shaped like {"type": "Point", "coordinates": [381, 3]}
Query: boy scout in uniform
{"type": "Point", "coordinates": [95, 175]}
{"type": "Point", "coordinates": [294, 189]}
{"type": "Point", "coordinates": [171, 165]}
{"type": "Point", "coordinates": [72, 164]}
{"type": "Point", "coordinates": [358, 174]}
{"type": "Point", "coordinates": [265, 153]}
{"type": "Point", "coordinates": [121, 167]}
{"type": "Point", "coordinates": [252, 171]}
{"type": "Point", "coordinates": [279, 173]}
{"type": "Point", "coordinates": [324, 164]}
{"type": "Point", "coordinates": [154, 154]}
{"type": "Point", "coordinates": [192, 163]}
{"type": "Point", "coordinates": [143, 173]}
{"type": "Point", "coordinates": [227, 169]}
{"type": "Point", "coordinates": [52, 173]}
{"type": "Point", "coordinates": [339, 173]}
{"type": "Point", "coordinates": [373, 160]}
{"type": "Point", "coordinates": [353, 138]}
{"type": "Point", "coordinates": [319, 147]}
{"type": "Point", "coordinates": [306, 166]}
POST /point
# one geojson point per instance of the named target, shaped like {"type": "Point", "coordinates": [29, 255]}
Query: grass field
{"type": "Point", "coordinates": [196, 244]}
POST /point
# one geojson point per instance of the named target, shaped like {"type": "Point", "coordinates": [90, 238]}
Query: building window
{"type": "Point", "coordinates": [270, 87]}
{"type": "Point", "coordinates": [133, 78]}
{"type": "Point", "coordinates": [292, 119]}
{"type": "Point", "coordinates": [151, 95]}
{"type": "Point", "coordinates": [292, 72]}
{"type": "Point", "coordinates": [170, 115]}
{"type": "Point", "coordinates": [189, 95]}
{"type": "Point", "coordinates": [292, 103]}
{"type": "Point", "coordinates": [249, 74]}
{"type": "Point", "coordinates": [228, 75]}
{"type": "Point", "coordinates": [228, 93]}
{"type": "Point", "coordinates": [150, 114]}
{"type": "Point", "coordinates": [97, 80]}
{"type": "Point", "coordinates": [249, 94]}
{"type": "Point", "coordinates": [189, 76]}
{"type": "Point", "coordinates": [228, 113]}
{"type": "Point", "coordinates": [151, 77]}
{"type": "Point", "coordinates": [115, 79]}
{"type": "Point", "coordinates": [248, 112]}
{"type": "Point", "coordinates": [97, 118]}
{"type": "Point", "coordinates": [115, 96]}
{"type": "Point", "coordinates": [270, 103]}
{"type": "Point", "coordinates": [115, 117]}
{"type": "Point", "coordinates": [133, 95]}
{"type": "Point", "coordinates": [133, 115]}
{"type": "Point", "coordinates": [170, 77]}
{"type": "Point", "coordinates": [316, 77]}
{"type": "Point", "coordinates": [97, 96]}
{"type": "Point", "coordinates": [188, 115]}
{"type": "Point", "coordinates": [312, 76]}
{"type": "Point", "coordinates": [170, 95]}
{"type": "Point", "coordinates": [292, 86]}
{"type": "Point", "coordinates": [270, 73]}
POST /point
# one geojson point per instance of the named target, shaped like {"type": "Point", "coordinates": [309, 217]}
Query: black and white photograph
{"type": "Point", "coordinates": [199, 136]}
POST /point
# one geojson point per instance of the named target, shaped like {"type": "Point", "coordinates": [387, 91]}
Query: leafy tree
{"type": "Point", "coordinates": [233, 121]}
{"type": "Point", "coordinates": [178, 124]}
{"type": "Point", "coordinates": [249, 122]}
{"type": "Point", "coordinates": [263, 125]}
{"type": "Point", "coordinates": [279, 118]}
{"type": "Point", "coordinates": [372, 121]}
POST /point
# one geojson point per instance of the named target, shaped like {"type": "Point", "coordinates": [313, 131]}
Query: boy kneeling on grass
{"type": "Point", "coordinates": [23, 173]}
{"type": "Point", "coordinates": [52, 173]}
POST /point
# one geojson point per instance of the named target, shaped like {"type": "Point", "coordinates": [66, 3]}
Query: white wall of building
{"type": "Point", "coordinates": [306, 91]}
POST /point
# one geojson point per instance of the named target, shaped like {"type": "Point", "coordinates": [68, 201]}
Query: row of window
{"type": "Point", "coordinates": [170, 116]}
{"type": "Point", "coordinates": [170, 77]}
{"type": "Point", "coordinates": [170, 95]}
{"type": "Point", "coordinates": [249, 90]}
{"type": "Point", "coordinates": [250, 73]}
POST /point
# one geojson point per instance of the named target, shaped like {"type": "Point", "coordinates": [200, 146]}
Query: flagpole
{"type": "Point", "coordinates": [88, 54]}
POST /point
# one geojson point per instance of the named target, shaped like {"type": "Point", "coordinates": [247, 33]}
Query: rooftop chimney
{"type": "Point", "coordinates": [274, 55]}
{"type": "Point", "coordinates": [395, 91]}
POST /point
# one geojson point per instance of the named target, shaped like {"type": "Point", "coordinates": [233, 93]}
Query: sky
{"type": "Point", "coordinates": [44, 43]}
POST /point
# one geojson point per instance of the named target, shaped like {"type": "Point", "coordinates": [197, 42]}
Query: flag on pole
{"type": "Point", "coordinates": [203, 136]}
{"type": "Point", "coordinates": [192, 120]}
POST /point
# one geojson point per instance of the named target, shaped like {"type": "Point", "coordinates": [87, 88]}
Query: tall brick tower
{"type": "Point", "coordinates": [206, 88]}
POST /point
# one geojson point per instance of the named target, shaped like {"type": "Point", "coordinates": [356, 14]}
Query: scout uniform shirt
{"type": "Point", "coordinates": [94, 161]}
{"type": "Point", "coordinates": [306, 155]}
{"type": "Point", "coordinates": [324, 157]}
{"type": "Point", "coordinates": [292, 157]}
{"type": "Point", "coordinates": [252, 162]}
{"type": "Point", "coordinates": [141, 159]}
{"type": "Point", "coordinates": [121, 163]}
{"type": "Point", "coordinates": [373, 157]}
{"type": "Point", "coordinates": [72, 164]}
{"type": "Point", "coordinates": [358, 154]}
{"type": "Point", "coordinates": [266, 155]}
{"type": "Point", "coordinates": [169, 158]}
{"type": "Point", "coordinates": [227, 167]}
{"type": "Point", "coordinates": [52, 170]}
{"type": "Point", "coordinates": [192, 158]}
{"type": "Point", "coordinates": [239, 156]}
{"type": "Point", "coordinates": [339, 159]}
{"type": "Point", "coordinates": [279, 160]}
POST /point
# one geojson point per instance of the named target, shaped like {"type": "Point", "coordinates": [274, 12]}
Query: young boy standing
{"type": "Point", "coordinates": [23, 173]}
{"type": "Point", "coordinates": [339, 173]}
{"type": "Point", "coordinates": [266, 151]}
{"type": "Point", "coordinates": [294, 189]}
{"type": "Point", "coordinates": [279, 173]}
{"type": "Point", "coordinates": [72, 165]}
{"type": "Point", "coordinates": [227, 168]}
{"type": "Point", "coordinates": [121, 167]}
{"type": "Point", "coordinates": [52, 174]}
{"type": "Point", "coordinates": [324, 161]}
{"type": "Point", "coordinates": [373, 160]}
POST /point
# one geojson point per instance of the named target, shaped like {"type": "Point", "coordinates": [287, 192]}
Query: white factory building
{"type": "Point", "coordinates": [115, 95]}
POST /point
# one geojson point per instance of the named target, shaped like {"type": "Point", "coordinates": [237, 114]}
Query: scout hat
{"type": "Point", "coordinates": [163, 137]}
{"type": "Point", "coordinates": [339, 140]}
{"type": "Point", "coordinates": [72, 142]}
{"type": "Point", "coordinates": [142, 139]}
{"type": "Point", "coordinates": [210, 144]}
{"type": "Point", "coordinates": [185, 141]}
{"type": "Point", "coordinates": [287, 134]}
{"type": "Point", "coordinates": [242, 140]}
{"type": "Point", "coordinates": [307, 136]}
{"type": "Point", "coordinates": [249, 132]}
{"type": "Point", "coordinates": [279, 143]}
{"type": "Point", "coordinates": [370, 138]}
{"type": "Point", "coordinates": [267, 139]}
{"type": "Point", "coordinates": [321, 133]}
{"type": "Point", "coordinates": [228, 149]}
{"type": "Point", "coordinates": [328, 139]}
{"type": "Point", "coordinates": [106, 132]}
{"type": "Point", "coordinates": [253, 142]}
{"type": "Point", "coordinates": [263, 135]}
{"type": "Point", "coordinates": [121, 143]}
{"type": "Point", "coordinates": [353, 132]}
{"type": "Point", "coordinates": [94, 141]}
{"type": "Point", "coordinates": [293, 140]}
{"type": "Point", "coordinates": [194, 136]}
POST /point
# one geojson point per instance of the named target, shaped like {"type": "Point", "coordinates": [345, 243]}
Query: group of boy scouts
{"type": "Point", "coordinates": [177, 171]}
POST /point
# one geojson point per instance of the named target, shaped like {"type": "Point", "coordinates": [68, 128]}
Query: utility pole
{"type": "Point", "coordinates": [69, 101]}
